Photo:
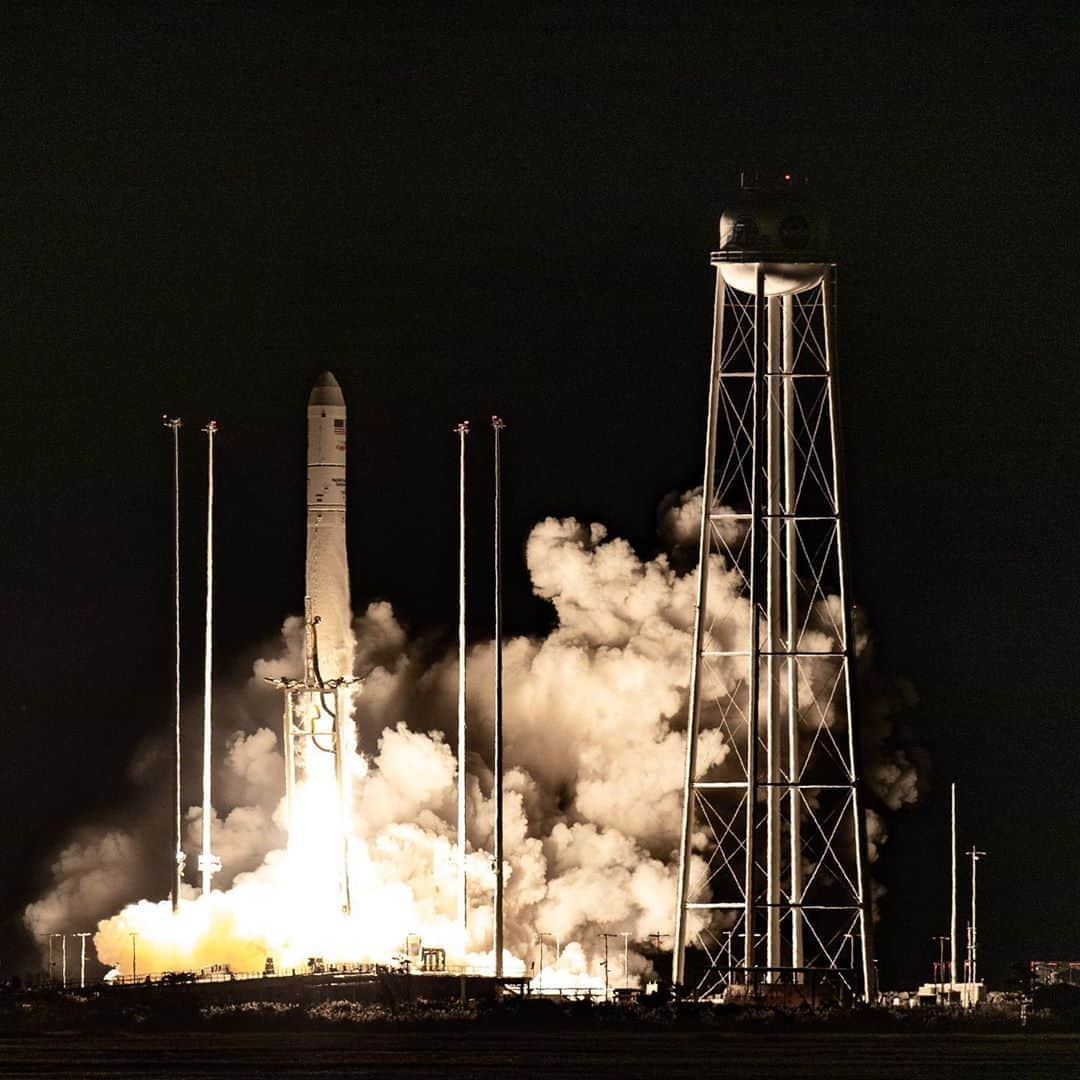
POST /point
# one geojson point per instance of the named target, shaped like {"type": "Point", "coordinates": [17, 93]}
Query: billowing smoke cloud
{"type": "Point", "coordinates": [595, 740]}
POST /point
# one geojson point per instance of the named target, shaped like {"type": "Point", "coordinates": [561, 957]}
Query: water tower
{"type": "Point", "coordinates": [773, 884]}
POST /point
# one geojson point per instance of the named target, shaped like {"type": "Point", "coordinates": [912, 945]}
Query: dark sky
{"type": "Point", "coordinates": [203, 206]}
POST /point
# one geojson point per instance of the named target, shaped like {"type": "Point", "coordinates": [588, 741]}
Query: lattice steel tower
{"type": "Point", "coordinates": [772, 876]}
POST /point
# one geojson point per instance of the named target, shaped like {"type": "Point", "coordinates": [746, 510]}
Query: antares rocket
{"type": "Point", "coordinates": [327, 571]}
{"type": "Point", "coordinates": [316, 736]}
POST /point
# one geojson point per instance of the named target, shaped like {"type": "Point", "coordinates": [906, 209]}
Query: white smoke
{"type": "Point", "coordinates": [595, 744]}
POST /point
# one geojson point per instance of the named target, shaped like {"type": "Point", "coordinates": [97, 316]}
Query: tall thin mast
{"type": "Point", "coordinates": [953, 972]}
{"type": "Point", "coordinates": [973, 943]}
{"type": "Point", "coordinates": [83, 935]}
{"type": "Point", "coordinates": [498, 427]}
{"type": "Point", "coordinates": [208, 863]}
{"type": "Point", "coordinates": [175, 423]}
{"type": "Point", "coordinates": [462, 886]}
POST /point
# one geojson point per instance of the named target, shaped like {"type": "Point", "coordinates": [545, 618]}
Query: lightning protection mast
{"type": "Point", "coordinates": [462, 884]}
{"type": "Point", "coordinates": [498, 426]}
{"type": "Point", "coordinates": [973, 939]}
{"type": "Point", "coordinates": [174, 424]}
{"type": "Point", "coordinates": [773, 848]}
{"type": "Point", "coordinates": [209, 864]}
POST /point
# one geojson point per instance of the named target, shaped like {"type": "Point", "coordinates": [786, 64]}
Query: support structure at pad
{"type": "Point", "coordinates": [316, 712]}
{"type": "Point", "coordinates": [772, 878]}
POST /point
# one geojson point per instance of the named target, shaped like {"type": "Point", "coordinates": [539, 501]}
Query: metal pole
{"type": "Point", "coordinates": [133, 937]}
{"type": "Point", "coordinates": [678, 955]}
{"type": "Point", "coordinates": [540, 970]}
{"type": "Point", "coordinates": [175, 423]}
{"type": "Point", "coordinates": [974, 921]}
{"type": "Point", "coordinates": [558, 946]}
{"type": "Point", "coordinates": [63, 960]}
{"type": "Point", "coordinates": [939, 967]}
{"type": "Point", "coordinates": [967, 949]}
{"type": "Point", "coordinates": [463, 886]}
{"type": "Point", "coordinates": [791, 540]}
{"type": "Point", "coordinates": [953, 973]}
{"type": "Point", "coordinates": [288, 743]}
{"type": "Point", "coordinates": [206, 860]}
{"type": "Point", "coordinates": [774, 663]}
{"type": "Point", "coordinates": [626, 960]}
{"type": "Point", "coordinates": [52, 966]}
{"type": "Point", "coordinates": [754, 648]}
{"type": "Point", "coordinates": [498, 426]}
{"type": "Point", "coordinates": [975, 855]}
{"type": "Point", "coordinates": [82, 960]}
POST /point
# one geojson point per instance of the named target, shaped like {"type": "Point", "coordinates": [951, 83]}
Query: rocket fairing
{"type": "Point", "coordinates": [327, 568]}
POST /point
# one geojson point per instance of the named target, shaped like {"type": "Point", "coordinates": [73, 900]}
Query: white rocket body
{"type": "Point", "coordinates": [319, 736]}
{"type": "Point", "coordinates": [327, 576]}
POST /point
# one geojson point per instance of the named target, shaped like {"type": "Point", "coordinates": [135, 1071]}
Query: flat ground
{"type": "Point", "coordinates": [594, 1055]}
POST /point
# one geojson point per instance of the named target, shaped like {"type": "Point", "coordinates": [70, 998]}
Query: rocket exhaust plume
{"type": "Point", "coordinates": [591, 776]}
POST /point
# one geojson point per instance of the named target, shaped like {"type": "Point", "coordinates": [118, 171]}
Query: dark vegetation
{"type": "Point", "coordinates": [108, 1010]}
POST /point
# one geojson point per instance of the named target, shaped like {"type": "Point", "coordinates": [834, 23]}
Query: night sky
{"type": "Point", "coordinates": [512, 211]}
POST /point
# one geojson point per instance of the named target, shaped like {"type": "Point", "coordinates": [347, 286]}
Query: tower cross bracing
{"type": "Point", "coordinates": [772, 880]}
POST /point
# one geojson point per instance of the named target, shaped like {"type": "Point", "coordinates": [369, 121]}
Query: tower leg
{"type": "Point", "coordinates": [791, 583]}
{"type": "Point", "coordinates": [678, 959]}
{"type": "Point", "coordinates": [774, 663]}
{"type": "Point", "coordinates": [753, 673]}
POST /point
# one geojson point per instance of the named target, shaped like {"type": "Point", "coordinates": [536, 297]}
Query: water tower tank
{"type": "Point", "coordinates": [774, 225]}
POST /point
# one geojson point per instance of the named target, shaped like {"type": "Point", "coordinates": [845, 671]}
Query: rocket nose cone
{"type": "Point", "coordinates": [326, 391]}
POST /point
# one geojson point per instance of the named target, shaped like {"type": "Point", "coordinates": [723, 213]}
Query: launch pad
{"type": "Point", "coordinates": [366, 983]}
